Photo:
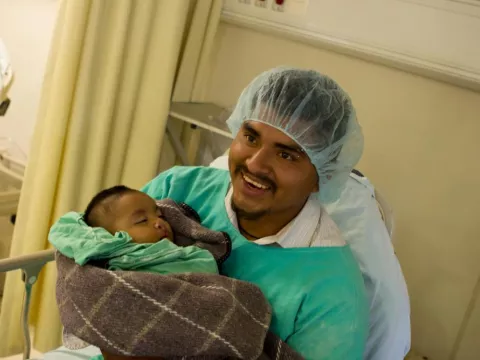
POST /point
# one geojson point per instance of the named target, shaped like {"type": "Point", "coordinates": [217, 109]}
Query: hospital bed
{"type": "Point", "coordinates": [197, 116]}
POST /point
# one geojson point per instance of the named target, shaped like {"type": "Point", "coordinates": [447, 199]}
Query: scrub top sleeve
{"type": "Point", "coordinates": [333, 332]}
{"type": "Point", "coordinates": [159, 187]}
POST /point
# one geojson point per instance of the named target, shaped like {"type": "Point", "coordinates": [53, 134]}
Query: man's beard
{"type": "Point", "coordinates": [252, 215]}
{"type": "Point", "coordinates": [247, 215]}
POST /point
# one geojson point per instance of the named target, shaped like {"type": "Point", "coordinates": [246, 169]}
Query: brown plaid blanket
{"type": "Point", "coordinates": [179, 316]}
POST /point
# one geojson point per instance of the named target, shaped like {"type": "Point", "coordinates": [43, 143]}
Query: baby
{"type": "Point", "coordinates": [125, 229]}
{"type": "Point", "coordinates": [123, 209]}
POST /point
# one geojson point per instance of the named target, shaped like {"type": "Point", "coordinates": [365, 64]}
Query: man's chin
{"type": "Point", "coordinates": [246, 212]}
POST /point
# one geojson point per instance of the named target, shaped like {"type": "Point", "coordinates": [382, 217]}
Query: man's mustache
{"type": "Point", "coordinates": [264, 179]}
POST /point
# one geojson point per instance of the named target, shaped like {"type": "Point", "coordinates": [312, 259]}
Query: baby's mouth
{"type": "Point", "coordinates": [162, 232]}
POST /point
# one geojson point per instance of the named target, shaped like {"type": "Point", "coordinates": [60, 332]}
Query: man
{"type": "Point", "coordinates": [296, 140]}
{"type": "Point", "coordinates": [355, 212]}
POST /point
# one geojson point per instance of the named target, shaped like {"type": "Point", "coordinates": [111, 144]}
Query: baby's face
{"type": "Point", "coordinates": [137, 214]}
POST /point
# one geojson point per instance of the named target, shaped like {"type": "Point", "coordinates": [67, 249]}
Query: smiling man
{"type": "Point", "coordinates": [266, 165]}
{"type": "Point", "coordinates": [296, 141]}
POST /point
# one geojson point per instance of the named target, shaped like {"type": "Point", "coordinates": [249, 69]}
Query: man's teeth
{"type": "Point", "coordinates": [254, 183]}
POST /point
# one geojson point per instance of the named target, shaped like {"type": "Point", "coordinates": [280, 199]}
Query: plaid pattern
{"type": "Point", "coordinates": [198, 316]}
{"type": "Point", "coordinates": [126, 313]}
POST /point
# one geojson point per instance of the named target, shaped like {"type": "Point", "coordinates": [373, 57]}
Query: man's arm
{"type": "Point", "coordinates": [159, 187]}
{"type": "Point", "coordinates": [337, 331]}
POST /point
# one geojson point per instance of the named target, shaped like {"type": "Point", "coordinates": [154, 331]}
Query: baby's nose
{"type": "Point", "coordinates": [158, 224]}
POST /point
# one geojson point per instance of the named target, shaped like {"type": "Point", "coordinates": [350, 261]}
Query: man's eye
{"type": "Point", "coordinates": [286, 156]}
{"type": "Point", "coordinates": [250, 138]}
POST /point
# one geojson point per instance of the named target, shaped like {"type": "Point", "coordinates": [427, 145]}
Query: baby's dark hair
{"type": "Point", "coordinates": [100, 205]}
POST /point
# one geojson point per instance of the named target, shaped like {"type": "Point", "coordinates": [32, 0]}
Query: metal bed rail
{"type": "Point", "coordinates": [30, 265]}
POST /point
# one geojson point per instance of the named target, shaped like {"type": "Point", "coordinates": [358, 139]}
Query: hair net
{"type": "Point", "coordinates": [315, 112]}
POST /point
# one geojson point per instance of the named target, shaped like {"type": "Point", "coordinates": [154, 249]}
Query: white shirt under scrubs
{"type": "Point", "coordinates": [356, 215]}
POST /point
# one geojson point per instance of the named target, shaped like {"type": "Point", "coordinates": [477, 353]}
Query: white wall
{"type": "Point", "coordinates": [421, 151]}
{"type": "Point", "coordinates": [26, 27]}
{"type": "Point", "coordinates": [438, 37]}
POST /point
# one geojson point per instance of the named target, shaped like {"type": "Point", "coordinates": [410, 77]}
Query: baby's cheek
{"type": "Point", "coordinates": [140, 237]}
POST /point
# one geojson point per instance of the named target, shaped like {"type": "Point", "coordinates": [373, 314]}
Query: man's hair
{"type": "Point", "coordinates": [101, 204]}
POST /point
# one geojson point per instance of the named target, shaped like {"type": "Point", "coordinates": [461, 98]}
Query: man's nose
{"type": "Point", "coordinates": [259, 162]}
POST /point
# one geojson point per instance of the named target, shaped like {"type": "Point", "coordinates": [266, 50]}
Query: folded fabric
{"type": "Point", "coordinates": [176, 315]}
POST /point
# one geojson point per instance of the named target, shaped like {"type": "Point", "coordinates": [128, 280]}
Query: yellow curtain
{"type": "Point", "coordinates": [114, 66]}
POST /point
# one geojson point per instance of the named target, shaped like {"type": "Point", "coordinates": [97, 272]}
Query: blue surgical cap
{"type": "Point", "coordinates": [312, 110]}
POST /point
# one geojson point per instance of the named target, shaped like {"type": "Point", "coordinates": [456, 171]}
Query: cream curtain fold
{"type": "Point", "coordinates": [114, 67]}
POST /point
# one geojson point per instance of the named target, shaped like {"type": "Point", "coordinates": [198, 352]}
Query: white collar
{"type": "Point", "coordinates": [311, 227]}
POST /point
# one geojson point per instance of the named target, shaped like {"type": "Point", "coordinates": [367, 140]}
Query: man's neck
{"type": "Point", "coordinates": [267, 225]}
